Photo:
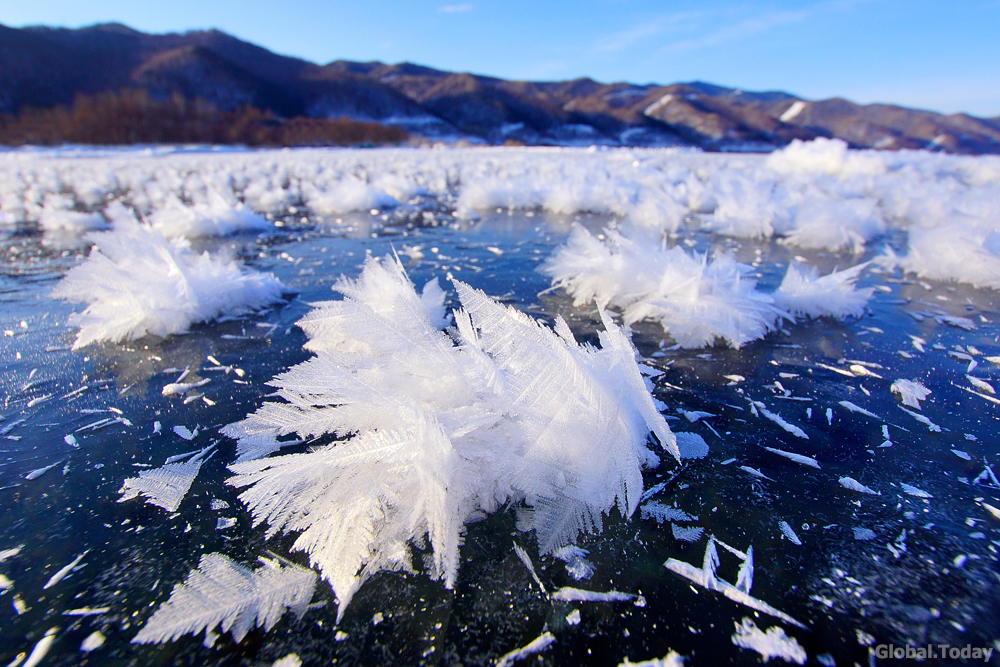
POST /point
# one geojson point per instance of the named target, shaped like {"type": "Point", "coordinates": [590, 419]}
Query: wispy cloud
{"type": "Point", "coordinates": [691, 30]}
{"type": "Point", "coordinates": [456, 9]}
{"type": "Point", "coordinates": [647, 29]}
{"type": "Point", "coordinates": [742, 29]}
{"type": "Point", "coordinates": [726, 29]}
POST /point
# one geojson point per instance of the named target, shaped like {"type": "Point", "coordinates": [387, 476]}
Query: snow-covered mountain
{"type": "Point", "coordinates": [42, 66]}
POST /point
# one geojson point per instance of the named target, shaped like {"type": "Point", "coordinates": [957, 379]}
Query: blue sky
{"type": "Point", "coordinates": [922, 53]}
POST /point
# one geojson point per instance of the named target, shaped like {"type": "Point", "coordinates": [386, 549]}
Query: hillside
{"type": "Point", "coordinates": [43, 67]}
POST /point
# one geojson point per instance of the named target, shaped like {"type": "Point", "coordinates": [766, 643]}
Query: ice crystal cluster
{"type": "Point", "coordinates": [814, 195]}
{"type": "Point", "coordinates": [137, 282]}
{"type": "Point", "coordinates": [695, 299]}
{"type": "Point", "coordinates": [434, 430]}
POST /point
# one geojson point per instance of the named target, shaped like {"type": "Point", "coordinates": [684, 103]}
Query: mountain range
{"type": "Point", "coordinates": [43, 66]}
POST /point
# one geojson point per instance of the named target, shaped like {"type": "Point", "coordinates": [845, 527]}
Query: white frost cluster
{"type": "Point", "coordinates": [814, 194]}
{"type": "Point", "coordinates": [695, 300]}
{"type": "Point", "coordinates": [167, 485]}
{"type": "Point", "coordinates": [910, 392]}
{"type": "Point", "coordinates": [803, 293]}
{"type": "Point", "coordinates": [438, 429]}
{"type": "Point", "coordinates": [771, 644]}
{"type": "Point", "coordinates": [224, 592]}
{"type": "Point", "coordinates": [136, 282]}
{"type": "Point", "coordinates": [215, 218]}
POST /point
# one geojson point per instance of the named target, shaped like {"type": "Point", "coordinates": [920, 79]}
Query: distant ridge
{"type": "Point", "coordinates": [43, 66]}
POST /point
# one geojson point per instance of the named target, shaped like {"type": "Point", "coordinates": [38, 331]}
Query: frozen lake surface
{"type": "Point", "coordinates": [856, 454]}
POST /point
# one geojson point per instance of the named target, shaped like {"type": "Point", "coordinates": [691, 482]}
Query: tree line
{"type": "Point", "coordinates": [133, 117]}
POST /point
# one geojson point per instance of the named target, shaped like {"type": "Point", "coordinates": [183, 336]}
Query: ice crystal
{"type": "Point", "coordinates": [167, 485]}
{"type": "Point", "coordinates": [437, 429]}
{"type": "Point", "coordinates": [224, 592]}
{"type": "Point", "coordinates": [136, 282]}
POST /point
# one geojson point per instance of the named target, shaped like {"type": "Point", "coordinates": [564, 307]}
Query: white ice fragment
{"type": "Point", "coordinates": [526, 559]}
{"type": "Point", "coordinates": [177, 388]}
{"type": "Point", "coordinates": [854, 485]}
{"type": "Point", "coordinates": [5, 583]}
{"type": "Point", "coordinates": [92, 642]}
{"type": "Point", "coordinates": [864, 534]}
{"type": "Point", "coordinates": [861, 371]}
{"type": "Point", "coordinates": [705, 576]}
{"type": "Point", "coordinates": [224, 592]}
{"type": "Point", "coordinates": [185, 432]}
{"type": "Point", "coordinates": [992, 510]}
{"type": "Point", "coordinates": [10, 553]}
{"type": "Point", "coordinates": [962, 455]}
{"type": "Point", "coordinates": [569, 594]}
{"type": "Point", "coordinates": [744, 578]}
{"type": "Point", "coordinates": [981, 385]}
{"type": "Point", "coordinates": [40, 399]}
{"type": "Point", "coordinates": [911, 392]}
{"type": "Point", "coordinates": [290, 660]}
{"type": "Point", "coordinates": [798, 458]}
{"type": "Point", "coordinates": [989, 398]}
{"type": "Point", "coordinates": [777, 419]}
{"type": "Point", "coordinates": [223, 523]}
{"type": "Point", "coordinates": [914, 491]}
{"type": "Point", "coordinates": [755, 473]}
{"type": "Point", "coordinates": [71, 440]}
{"type": "Point", "coordinates": [691, 445]}
{"type": "Point", "coordinates": [573, 618]}
{"type": "Point", "coordinates": [38, 472]}
{"type": "Point", "coordinates": [535, 646]}
{"type": "Point", "coordinates": [657, 510]}
{"type": "Point", "coordinates": [167, 485]}
{"type": "Point", "coordinates": [672, 659]}
{"type": "Point", "coordinates": [694, 415]}
{"type": "Point", "coordinates": [857, 408]}
{"type": "Point", "coordinates": [61, 574]}
{"type": "Point", "coordinates": [771, 644]}
{"type": "Point", "coordinates": [41, 648]}
{"type": "Point", "coordinates": [839, 371]}
{"type": "Point", "coordinates": [787, 531]}
{"type": "Point", "coordinates": [686, 534]}
{"type": "Point", "coordinates": [577, 565]}
{"type": "Point", "coordinates": [87, 611]}
{"type": "Point", "coordinates": [652, 491]}
{"type": "Point", "coordinates": [931, 426]}
{"type": "Point", "coordinates": [580, 569]}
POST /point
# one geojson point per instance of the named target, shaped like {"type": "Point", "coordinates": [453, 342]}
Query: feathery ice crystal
{"type": "Point", "coordinates": [439, 428]}
{"type": "Point", "coordinates": [137, 282]}
{"type": "Point", "coordinates": [696, 300]}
